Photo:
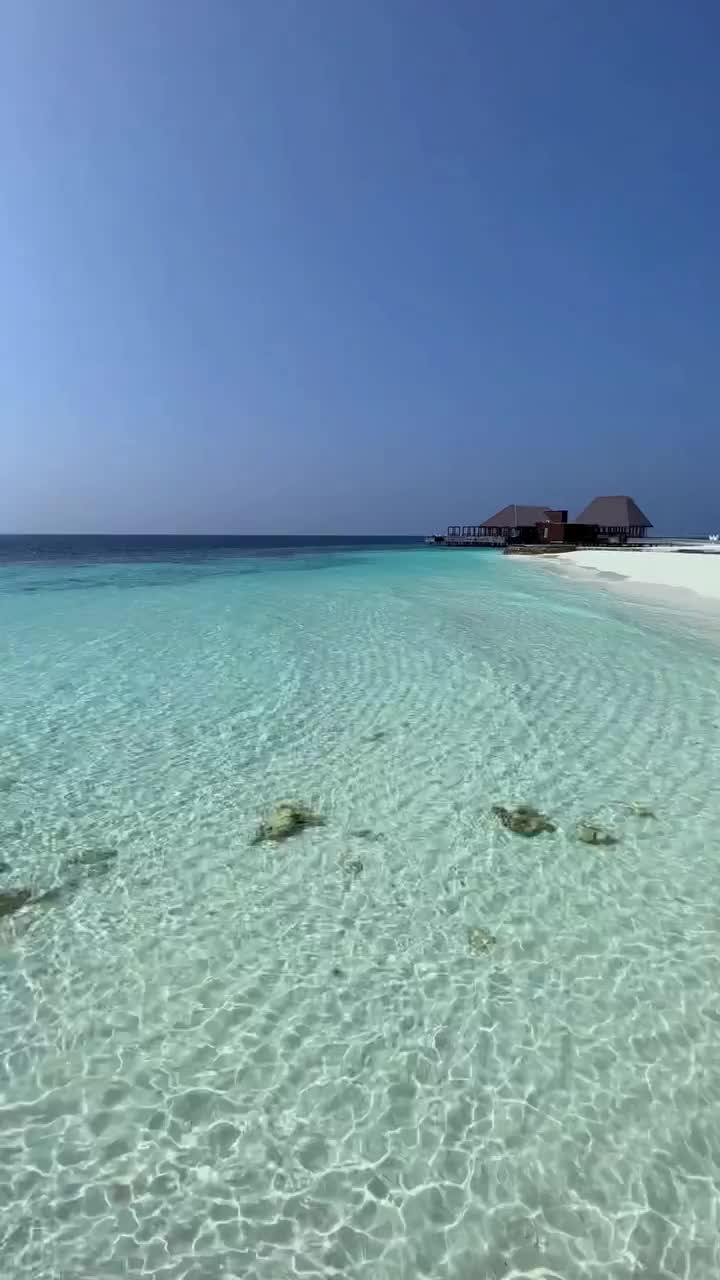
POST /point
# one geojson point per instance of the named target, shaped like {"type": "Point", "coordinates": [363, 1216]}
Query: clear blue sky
{"type": "Point", "coordinates": [356, 265]}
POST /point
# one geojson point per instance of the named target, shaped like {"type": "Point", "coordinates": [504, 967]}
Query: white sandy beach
{"type": "Point", "coordinates": [663, 575]}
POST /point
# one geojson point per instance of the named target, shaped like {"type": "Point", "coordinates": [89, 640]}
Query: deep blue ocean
{"type": "Point", "coordinates": [88, 548]}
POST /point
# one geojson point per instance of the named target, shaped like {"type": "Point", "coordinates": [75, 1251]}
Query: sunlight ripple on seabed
{"type": "Point", "coordinates": [406, 1042]}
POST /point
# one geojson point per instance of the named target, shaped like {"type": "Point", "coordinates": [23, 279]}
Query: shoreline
{"type": "Point", "coordinates": [676, 579]}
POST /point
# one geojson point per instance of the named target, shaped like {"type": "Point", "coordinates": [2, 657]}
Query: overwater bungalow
{"type": "Point", "coordinates": [518, 522]}
{"type": "Point", "coordinates": [605, 521]}
{"type": "Point", "coordinates": [615, 518]}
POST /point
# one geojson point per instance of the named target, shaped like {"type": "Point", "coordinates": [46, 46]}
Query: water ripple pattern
{"type": "Point", "coordinates": [406, 1043]}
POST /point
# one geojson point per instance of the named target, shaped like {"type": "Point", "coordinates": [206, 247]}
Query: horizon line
{"type": "Point", "coordinates": [55, 533]}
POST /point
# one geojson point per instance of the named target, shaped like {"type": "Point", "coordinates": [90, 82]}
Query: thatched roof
{"type": "Point", "coordinates": [614, 513]}
{"type": "Point", "coordinates": [516, 516]}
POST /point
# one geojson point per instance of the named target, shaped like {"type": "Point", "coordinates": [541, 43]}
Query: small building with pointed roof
{"type": "Point", "coordinates": [518, 516]}
{"type": "Point", "coordinates": [616, 517]}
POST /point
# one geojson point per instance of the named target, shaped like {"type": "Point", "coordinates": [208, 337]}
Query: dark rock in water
{"type": "Point", "coordinates": [4, 866]}
{"type": "Point", "coordinates": [56, 894]}
{"type": "Point", "coordinates": [286, 821]}
{"type": "Point", "coordinates": [455, 876]}
{"type": "Point", "coordinates": [354, 866]}
{"type": "Point", "coordinates": [523, 821]}
{"type": "Point", "coordinates": [93, 859]}
{"type": "Point", "coordinates": [12, 900]}
{"type": "Point", "coordinates": [336, 971]}
{"type": "Point", "coordinates": [590, 833]}
{"type": "Point", "coordinates": [480, 940]}
{"type": "Point", "coordinates": [641, 810]}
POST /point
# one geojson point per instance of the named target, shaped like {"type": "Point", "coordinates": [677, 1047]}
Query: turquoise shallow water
{"type": "Point", "coordinates": [227, 1060]}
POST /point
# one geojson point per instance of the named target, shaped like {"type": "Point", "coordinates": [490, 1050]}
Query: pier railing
{"type": "Point", "coordinates": [459, 540]}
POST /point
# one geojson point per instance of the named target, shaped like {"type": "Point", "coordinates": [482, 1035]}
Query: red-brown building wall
{"type": "Point", "coordinates": [561, 531]}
